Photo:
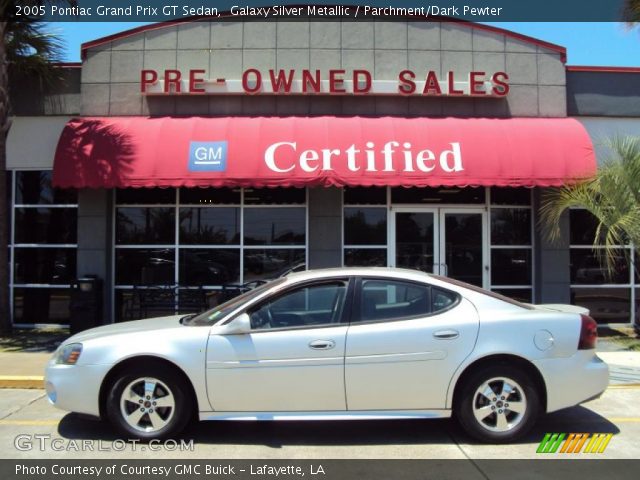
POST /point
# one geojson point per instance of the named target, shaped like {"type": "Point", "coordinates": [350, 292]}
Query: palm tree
{"type": "Point", "coordinates": [631, 12]}
{"type": "Point", "coordinates": [612, 197]}
{"type": "Point", "coordinates": [26, 51]}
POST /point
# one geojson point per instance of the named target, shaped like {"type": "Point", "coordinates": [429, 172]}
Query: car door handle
{"type": "Point", "coordinates": [322, 344]}
{"type": "Point", "coordinates": [446, 334]}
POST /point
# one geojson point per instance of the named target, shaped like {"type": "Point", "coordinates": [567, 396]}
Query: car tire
{"type": "Point", "coordinates": [497, 404]}
{"type": "Point", "coordinates": [149, 403]}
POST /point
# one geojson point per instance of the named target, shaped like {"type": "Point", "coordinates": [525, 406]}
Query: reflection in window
{"type": "Point", "coordinates": [44, 265]}
{"type": "Point", "coordinates": [365, 257]}
{"type": "Point", "coordinates": [606, 305]}
{"type": "Point", "coordinates": [588, 267]}
{"type": "Point", "coordinates": [270, 263]}
{"type": "Point", "coordinates": [510, 266]}
{"type": "Point", "coordinates": [46, 225]}
{"type": "Point", "coordinates": [209, 266]}
{"type": "Point", "coordinates": [365, 226]}
{"type": "Point", "coordinates": [510, 226]}
{"type": "Point", "coordinates": [145, 266]}
{"type": "Point", "coordinates": [274, 226]}
{"type": "Point", "coordinates": [519, 294]}
{"type": "Point", "coordinates": [306, 307]}
{"type": "Point", "coordinates": [34, 188]}
{"type": "Point", "coordinates": [145, 196]}
{"type": "Point", "coordinates": [389, 300]}
{"type": "Point", "coordinates": [41, 305]}
{"type": "Point", "coordinates": [145, 226]}
{"type": "Point", "coordinates": [210, 226]}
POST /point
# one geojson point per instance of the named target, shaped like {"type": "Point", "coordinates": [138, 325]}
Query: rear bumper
{"type": "Point", "coordinates": [574, 380]}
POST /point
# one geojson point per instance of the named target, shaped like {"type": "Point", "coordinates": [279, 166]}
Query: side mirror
{"type": "Point", "coordinates": [238, 326]}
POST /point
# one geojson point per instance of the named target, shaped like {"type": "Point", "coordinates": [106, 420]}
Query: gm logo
{"type": "Point", "coordinates": [207, 156]}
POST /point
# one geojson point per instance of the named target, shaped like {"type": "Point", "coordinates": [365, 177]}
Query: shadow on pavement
{"type": "Point", "coordinates": [340, 433]}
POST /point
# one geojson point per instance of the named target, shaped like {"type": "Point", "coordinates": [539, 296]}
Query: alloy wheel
{"type": "Point", "coordinates": [499, 404]}
{"type": "Point", "coordinates": [147, 404]}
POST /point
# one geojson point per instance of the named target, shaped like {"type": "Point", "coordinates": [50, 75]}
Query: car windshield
{"type": "Point", "coordinates": [220, 311]}
{"type": "Point", "coordinates": [489, 293]}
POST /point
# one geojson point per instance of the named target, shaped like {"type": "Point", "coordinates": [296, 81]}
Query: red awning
{"type": "Point", "coordinates": [321, 151]}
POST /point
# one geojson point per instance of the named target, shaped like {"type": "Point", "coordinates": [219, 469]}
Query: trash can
{"type": "Point", "coordinates": [86, 303]}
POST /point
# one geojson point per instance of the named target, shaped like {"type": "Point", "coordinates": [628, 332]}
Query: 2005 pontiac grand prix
{"type": "Point", "coordinates": [351, 343]}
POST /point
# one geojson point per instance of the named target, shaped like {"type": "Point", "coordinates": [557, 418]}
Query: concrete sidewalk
{"type": "Point", "coordinates": [26, 369]}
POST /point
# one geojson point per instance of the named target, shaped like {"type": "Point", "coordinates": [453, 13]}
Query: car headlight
{"type": "Point", "coordinates": [69, 354]}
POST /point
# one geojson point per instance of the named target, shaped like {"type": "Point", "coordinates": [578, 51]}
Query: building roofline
{"type": "Point", "coordinates": [589, 68]}
{"type": "Point", "coordinates": [155, 26]}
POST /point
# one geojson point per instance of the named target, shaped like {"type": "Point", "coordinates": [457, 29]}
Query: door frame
{"type": "Point", "coordinates": [439, 214]}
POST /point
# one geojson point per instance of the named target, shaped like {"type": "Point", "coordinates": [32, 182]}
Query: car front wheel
{"type": "Point", "coordinates": [497, 404]}
{"type": "Point", "coordinates": [149, 405]}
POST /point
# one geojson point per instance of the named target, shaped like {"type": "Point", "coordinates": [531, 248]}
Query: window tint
{"type": "Point", "coordinates": [309, 306]}
{"type": "Point", "coordinates": [389, 300]}
{"type": "Point", "coordinates": [442, 299]}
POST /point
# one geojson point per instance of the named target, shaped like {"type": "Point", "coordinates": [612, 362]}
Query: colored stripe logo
{"type": "Point", "coordinates": [574, 443]}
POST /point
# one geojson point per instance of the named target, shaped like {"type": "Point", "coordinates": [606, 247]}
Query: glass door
{"type": "Point", "coordinates": [416, 234]}
{"type": "Point", "coordinates": [445, 241]}
{"type": "Point", "coordinates": [463, 245]}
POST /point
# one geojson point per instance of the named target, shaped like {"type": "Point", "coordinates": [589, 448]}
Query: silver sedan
{"type": "Point", "coordinates": [350, 343]}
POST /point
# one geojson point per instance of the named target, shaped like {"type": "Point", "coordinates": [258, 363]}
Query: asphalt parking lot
{"type": "Point", "coordinates": [31, 428]}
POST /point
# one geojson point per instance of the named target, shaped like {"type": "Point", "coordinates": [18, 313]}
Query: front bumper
{"type": "Point", "coordinates": [574, 380]}
{"type": "Point", "coordinates": [75, 388]}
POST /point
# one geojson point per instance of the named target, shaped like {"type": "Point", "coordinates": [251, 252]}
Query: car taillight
{"type": "Point", "coordinates": [588, 333]}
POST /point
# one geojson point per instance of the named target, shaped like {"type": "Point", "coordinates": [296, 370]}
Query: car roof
{"type": "Point", "coordinates": [320, 273]}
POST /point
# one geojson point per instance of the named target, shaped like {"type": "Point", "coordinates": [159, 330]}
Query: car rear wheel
{"type": "Point", "coordinates": [149, 405]}
{"type": "Point", "coordinates": [497, 404]}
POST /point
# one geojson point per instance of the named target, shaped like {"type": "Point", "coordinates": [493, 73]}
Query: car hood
{"type": "Point", "coordinates": [127, 327]}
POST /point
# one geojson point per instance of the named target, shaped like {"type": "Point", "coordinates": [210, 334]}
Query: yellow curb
{"type": "Point", "coordinates": [624, 385]}
{"type": "Point", "coordinates": [22, 381]}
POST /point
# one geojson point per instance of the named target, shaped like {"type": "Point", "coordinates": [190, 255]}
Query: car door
{"type": "Point", "coordinates": [293, 358]}
{"type": "Point", "coordinates": [404, 344]}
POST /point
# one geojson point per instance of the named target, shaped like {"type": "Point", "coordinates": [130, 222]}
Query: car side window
{"type": "Point", "coordinates": [442, 299]}
{"type": "Point", "coordinates": [391, 299]}
{"type": "Point", "coordinates": [309, 306]}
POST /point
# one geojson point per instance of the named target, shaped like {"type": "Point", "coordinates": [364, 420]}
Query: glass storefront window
{"type": "Point", "coordinates": [208, 266]}
{"type": "Point", "coordinates": [275, 196]}
{"type": "Point", "coordinates": [144, 266]}
{"type": "Point", "coordinates": [274, 226]}
{"type": "Point", "coordinates": [210, 226]}
{"type": "Point", "coordinates": [365, 226]}
{"type": "Point", "coordinates": [511, 266]}
{"type": "Point", "coordinates": [148, 226]}
{"type": "Point", "coordinates": [270, 263]}
{"type": "Point", "coordinates": [44, 265]}
{"type": "Point", "coordinates": [218, 242]}
{"type": "Point", "coordinates": [365, 257]}
{"type": "Point", "coordinates": [606, 293]}
{"type": "Point", "coordinates": [46, 225]}
{"type": "Point", "coordinates": [365, 196]}
{"type": "Point", "coordinates": [43, 246]}
{"type": "Point", "coordinates": [520, 294]}
{"type": "Point", "coordinates": [588, 267]}
{"type": "Point", "coordinates": [606, 305]}
{"type": "Point", "coordinates": [510, 226]}
{"type": "Point", "coordinates": [210, 196]}
{"type": "Point", "coordinates": [34, 188]}
{"type": "Point", "coordinates": [510, 196]}
{"type": "Point", "coordinates": [41, 305]}
{"type": "Point", "coordinates": [145, 196]}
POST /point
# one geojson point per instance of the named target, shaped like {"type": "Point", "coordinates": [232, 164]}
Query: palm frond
{"type": "Point", "coordinates": [612, 197]}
